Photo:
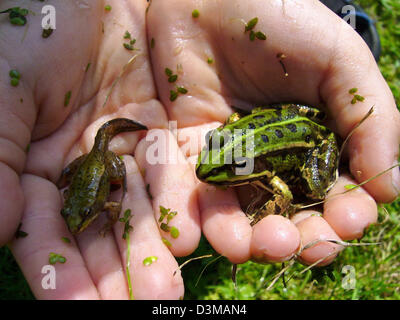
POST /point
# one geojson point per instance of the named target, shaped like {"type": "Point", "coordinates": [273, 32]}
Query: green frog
{"type": "Point", "coordinates": [91, 177]}
{"type": "Point", "coordinates": [290, 154]}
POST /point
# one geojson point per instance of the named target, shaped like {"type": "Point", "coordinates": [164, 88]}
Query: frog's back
{"type": "Point", "coordinates": [86, 180]}
{"type": "Point", "coordinates": [276, 131]}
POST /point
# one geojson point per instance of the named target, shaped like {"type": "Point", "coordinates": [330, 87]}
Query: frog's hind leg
{"type": "Point", "coordinates": [280, 203]}
{"type": "Point", "coordinates": [117, 177]}
{"type": "Point", "coordinates": [68, 172]}
{"type": "Point", "coordinates": [117, 172]}
{"type": "Point", "coordinates": [113, 210]}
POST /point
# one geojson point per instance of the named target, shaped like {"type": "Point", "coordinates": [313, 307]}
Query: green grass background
{"type": "Point", "coordinates": [377, 268]}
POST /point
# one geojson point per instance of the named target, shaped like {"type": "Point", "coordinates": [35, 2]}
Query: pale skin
{"type": "Point", "coordinates": [325, 58]}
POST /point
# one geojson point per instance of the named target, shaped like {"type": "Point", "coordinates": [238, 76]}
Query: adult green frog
{"type": "Point", "coordinates": [91, 177]}
{"type": "Point", "coordinates": [290, 154]}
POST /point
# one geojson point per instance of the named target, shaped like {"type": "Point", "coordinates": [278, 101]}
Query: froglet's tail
{"type": "Point", "coordinates": [113, 127]}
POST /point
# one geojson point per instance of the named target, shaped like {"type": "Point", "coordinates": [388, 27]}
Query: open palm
{"type": "Point", "coordinates": [219, 67]}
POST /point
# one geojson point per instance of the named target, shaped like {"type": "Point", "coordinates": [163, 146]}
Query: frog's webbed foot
{"type": "Point", "coordinates": [113, 210]}
{"type": "Point", "coordinates": [280, 203]}
{"type": "Point", "coordinates": [276, 205]}
{"type": "Point", "coordinates": [68, 172]}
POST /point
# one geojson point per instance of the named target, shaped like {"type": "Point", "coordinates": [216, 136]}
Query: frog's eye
{"type": "Point", "coordinates": [241, 162]}
{"type": "Point", "coordinates": [214, 172]}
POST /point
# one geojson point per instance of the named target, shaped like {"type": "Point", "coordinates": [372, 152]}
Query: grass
{"type": "Point", "coordinates": [376, 268]}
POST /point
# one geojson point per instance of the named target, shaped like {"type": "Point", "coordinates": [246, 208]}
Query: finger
{"type": "Point", "coordinates": [171, 183]}
{"type": "Point", "coordinates": [185, 52]}
{"type": "Point", "coordinates": [12, 205]}
{"type": "Point", "coordinates": [157, 280]}
{"type": "Point", "coordinates": [192, 139]}
{"type": "Point", "coordinates": [315, 229]}
{"type": "Point", "coordinates": [275, 239]}
{"type": "Point", "coordinates": [45, 228]}
{"type": "Point", "coordinates": [349, 214]}
{"type": "Point", "coordinates": [16, 123]}
{"type": "Point", "coordinates": [103, 261]}
{"type": "Point", "coordinates": [224, 224]}
{"type": "Point", "coordinates": [367, 157]}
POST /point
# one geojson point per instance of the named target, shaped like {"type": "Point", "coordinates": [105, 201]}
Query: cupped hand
{"type": "Point", "coordinates": [220, 66]}
{"type": "Point", "coordinates": [85, 56]}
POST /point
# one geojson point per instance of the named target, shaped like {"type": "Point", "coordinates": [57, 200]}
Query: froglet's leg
{"type": "Point", "coordinates": [116, 170]}
{"type": "Point", "coordinates": [117, 176]}
{"type": "Point", "coordinates": [113, 209]}
{"type": "Point", "coordinates": [68, 172]}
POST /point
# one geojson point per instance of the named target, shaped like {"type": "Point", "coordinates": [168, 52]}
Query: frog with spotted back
{"type": "Point", "coordinates": [91, 177]}
{"type": "Point", "coordinates": [292, 155]}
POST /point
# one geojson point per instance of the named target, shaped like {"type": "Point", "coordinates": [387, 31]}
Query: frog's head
{"type": "Point", "coordinates": [216, 163]}
{"type": "Point", "coordinates": [78, 218]}
{"type": "Point", "coordinates": [210, 166]}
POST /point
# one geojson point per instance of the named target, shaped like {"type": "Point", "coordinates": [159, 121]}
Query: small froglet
{"type": "Point", "coordinates": [92, 176]}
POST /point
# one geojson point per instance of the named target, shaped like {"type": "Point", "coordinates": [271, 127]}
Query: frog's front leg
{"type": "Point", "coordinates": [113, 210]}
{"type": "Point", "coordinates": [68, 172]}
{"type": "Point", "coordinates": [281, 201]}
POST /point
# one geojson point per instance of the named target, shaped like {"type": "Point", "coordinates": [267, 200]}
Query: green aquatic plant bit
{"type": "Point", "coordinates": [356, 97]}
{"type": "Point", "coordinates": [55, 257]}
{"type": "Point", "coordinates": [173, 95]}
{"type": "Point", "coordinates": [173, 78]}
{"type": "Point", "coordinates": [210, 60]}
{"type": "Point", "coordinates": [166, 242]}
{"type": "Point", "coordinates": [260, 35]}
{"type": "Point", "coordinates": [252, 35]}
{"type": "Point", "coordinates": [149, 260]}
{"type": "Point", "coordinates": [168, 215]}
{"type": "Point", "coordinates": [107, 7]}
{"type": "Point", "coordinates": [125, 219]}
{"type": "Point", "coordinates": [174, 232]}
{"type": "Point", "coordinates": [353, 90]}
{"type": "Point", "coordinates": [14, 77]}
{"type": "Point", "coordinates": [251, 24]}
{"type": "Point", "coordinates": [127, 228]}
{"type": "Point", "coordinates": [14, 82]}
{"type": "Point", "coordinates": [67, 98]}
{"type": "Point", "coordinates": [65, 239]}
{"type": "Point", "coordinates": [195, 13]}
{"type": "Point", "coordinates": [168, 72]}
{"type": "Point", "coordinates": [17, 15]}
{"type": "Point", "coordinates": [14, 74]}
{"type": "Point", "coordinates": [182, 90]}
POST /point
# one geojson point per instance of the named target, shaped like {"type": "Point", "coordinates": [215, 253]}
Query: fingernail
{"type": "Point", "coordinates": [396, 178]}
